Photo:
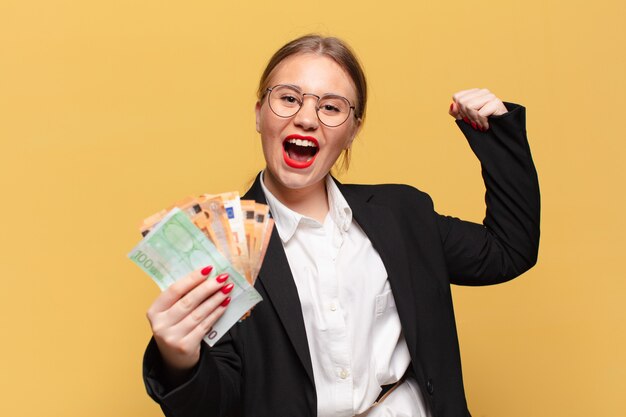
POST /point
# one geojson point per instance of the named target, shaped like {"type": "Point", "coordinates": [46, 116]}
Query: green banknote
{"type": "Point", "coordinates": [174, 248]}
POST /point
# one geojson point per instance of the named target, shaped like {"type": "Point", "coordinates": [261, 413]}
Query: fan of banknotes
{"type": "Point", "coordinates": [239, 229]}
{"type": "Point", "coordinates": [220, 230]}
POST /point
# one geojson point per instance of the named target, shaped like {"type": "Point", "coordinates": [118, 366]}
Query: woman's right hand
{"type": "Point", "coordinates": [183, 314]}
{"type": "Point", "coordinates": [474, 106]}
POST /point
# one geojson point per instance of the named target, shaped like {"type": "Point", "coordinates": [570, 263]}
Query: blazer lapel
{"type": "Point", "coordinates": [383, 230]}
{"type": "Point", "coordinates": [276, 278]}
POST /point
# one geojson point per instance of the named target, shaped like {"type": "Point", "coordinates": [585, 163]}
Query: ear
{"type": "Point", "coordinates": [257, 111]}
{"type": "Point", "coordinates": [356, 129]}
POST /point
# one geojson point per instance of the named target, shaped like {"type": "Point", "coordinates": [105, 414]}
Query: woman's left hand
{"type": "Point", "coordinates": [474, 106]}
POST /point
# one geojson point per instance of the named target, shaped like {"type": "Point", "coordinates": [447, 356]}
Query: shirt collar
{"type": "Point", "coordinates": [287, 220]}
{"type": "Point", "coordinates": [340, 211]}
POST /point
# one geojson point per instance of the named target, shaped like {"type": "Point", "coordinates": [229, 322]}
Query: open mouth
{"type": "Point", "coordinates": [300, 151]}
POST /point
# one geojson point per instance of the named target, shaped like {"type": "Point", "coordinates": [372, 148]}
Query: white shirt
{"type": "Point", "coordinates": [352, 325]}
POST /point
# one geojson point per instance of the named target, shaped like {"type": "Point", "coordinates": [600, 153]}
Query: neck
{"type": "Point", "coordinates": [310, 201]}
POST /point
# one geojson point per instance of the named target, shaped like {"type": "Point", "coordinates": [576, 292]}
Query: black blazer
{"type": "Point", "coordinates": [262, 367]}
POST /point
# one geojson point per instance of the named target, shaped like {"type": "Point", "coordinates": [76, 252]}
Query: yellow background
{"type": "Point", "coordinates": [111, 110]}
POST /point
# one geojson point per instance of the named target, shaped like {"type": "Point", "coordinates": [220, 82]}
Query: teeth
{"type": "Point", "coordinates": [302, 142]}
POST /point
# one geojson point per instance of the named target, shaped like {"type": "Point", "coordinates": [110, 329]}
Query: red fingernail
{"type": "Point", "coordinates": [225, 302]}
{"type": "Point", "coordinates": [451, 106]}
{"type": "Point", "coordinates": [221, 278]}
{"type": "Point", "coordinates": [228, 288]}
{"type": "Point", "coordinates": [207, 270]}
{"type": "Point", "coordinates": [466, 120]}
{"type": "Point", "coordinates": [474, 125]}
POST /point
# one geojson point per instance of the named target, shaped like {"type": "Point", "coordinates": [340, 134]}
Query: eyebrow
{"type": "Point", "coordinates": [296, 87]}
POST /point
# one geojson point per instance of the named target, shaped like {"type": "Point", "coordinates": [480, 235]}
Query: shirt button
{"type": "Point", "coordinates": [333, 307]}
{"type": "Point", "coordinates": [344, 374]}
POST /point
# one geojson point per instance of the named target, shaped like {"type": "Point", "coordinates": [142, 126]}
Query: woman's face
{"type": "Point", "coordinates": [291, 165]}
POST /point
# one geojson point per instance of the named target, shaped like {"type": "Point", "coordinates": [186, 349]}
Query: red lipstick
{"type": "Point", "coordinates": [299, 164]}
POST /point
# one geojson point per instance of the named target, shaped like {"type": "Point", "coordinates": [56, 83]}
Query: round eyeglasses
{"type": "Point", "coordinates": [286, 100]}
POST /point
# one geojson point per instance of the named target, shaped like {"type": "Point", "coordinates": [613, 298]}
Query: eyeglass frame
{"type": "Point", "coordinates": [268, 92]}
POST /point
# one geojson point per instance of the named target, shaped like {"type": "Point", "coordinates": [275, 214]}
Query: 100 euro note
{"type": "Point", "coordinates": [174, 248]}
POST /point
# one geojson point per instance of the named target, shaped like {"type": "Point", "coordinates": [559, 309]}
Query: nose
{"type": "Point", "coordinates": [306, 117]}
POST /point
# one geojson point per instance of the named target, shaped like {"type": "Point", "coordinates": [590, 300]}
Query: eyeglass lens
{"type": "Point", "coordinates": [332, 110]}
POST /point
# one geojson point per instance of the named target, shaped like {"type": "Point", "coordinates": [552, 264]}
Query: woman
{"type": "Point", "coordinates": [357, 316]}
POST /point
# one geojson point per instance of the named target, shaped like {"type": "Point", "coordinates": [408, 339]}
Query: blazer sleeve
{"type": "Point", "coordinates": [212, 389]}
{"type": "Point", "coordinates": [507, 243]}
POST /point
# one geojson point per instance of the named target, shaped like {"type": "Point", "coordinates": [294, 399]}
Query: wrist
{"type": "Point", "coordinates": [176, 368]}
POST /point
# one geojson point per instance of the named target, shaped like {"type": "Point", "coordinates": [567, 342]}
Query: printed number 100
{"type": "Point", "coordinates": [142, 259]}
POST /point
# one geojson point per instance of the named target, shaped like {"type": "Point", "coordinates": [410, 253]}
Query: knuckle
{"type": "Point", "coordinates": [206, 325]}
{"type": "Point", "coordinates": [196, 317]}
{"type": "Point", "coordinates": [156, 324]}
{"type": "Point", "coordinates": [172, 315]}
{"type": "Point", "coordinates": [209, 321]}
{"type": "Point", "coordinates": [176, 291]}
{"type": "Point", "coordinates": [158, 328]}
{"type": "Point", "coordinates": [186, 302]}
{"type": "Point", "coordinates": [158, 331]}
